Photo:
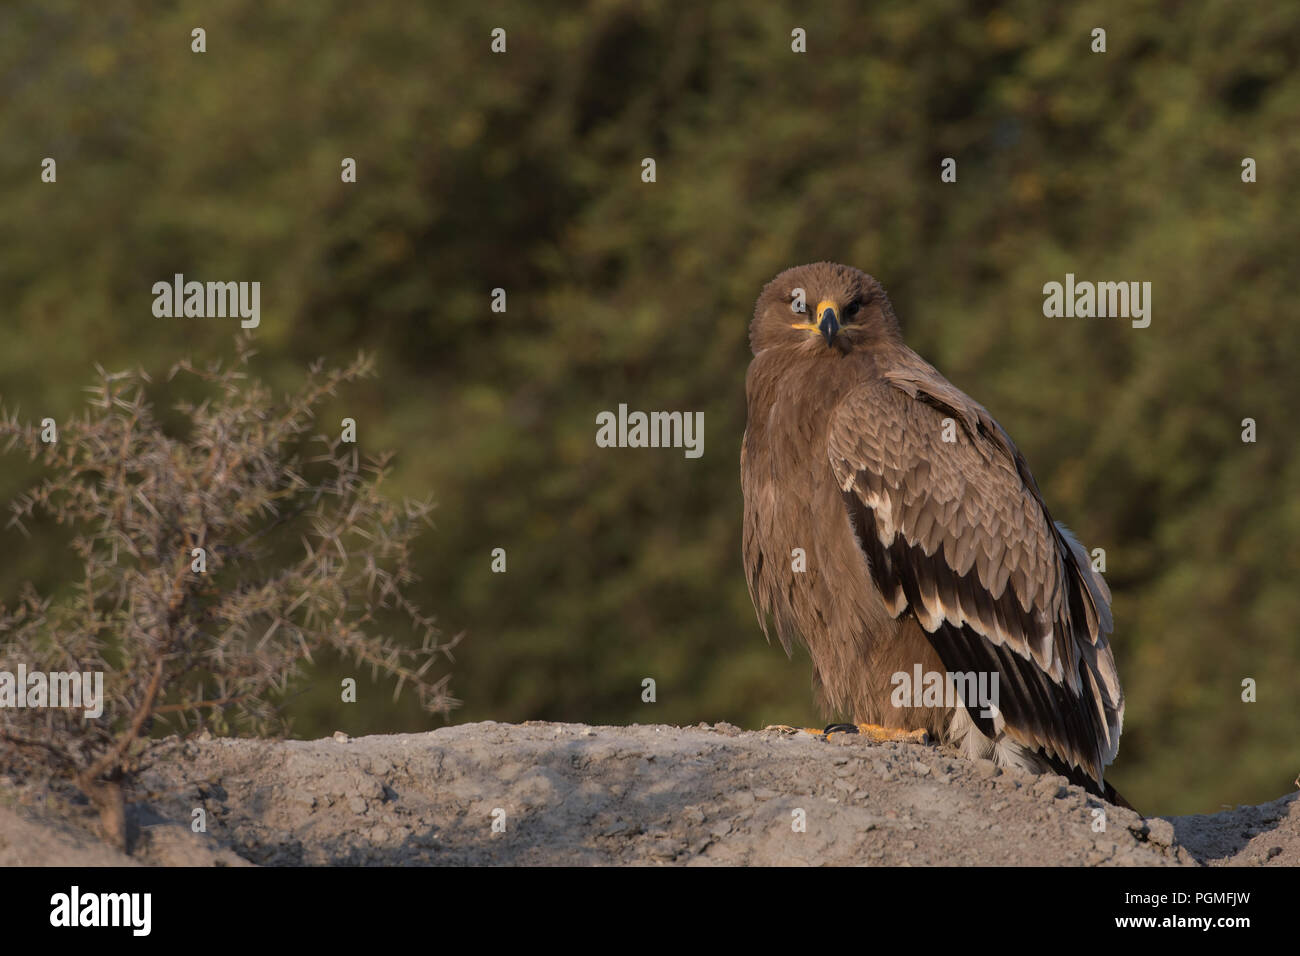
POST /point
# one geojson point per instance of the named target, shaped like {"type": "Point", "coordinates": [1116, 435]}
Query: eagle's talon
{"type": "Point", "coordinates": [880, 734]}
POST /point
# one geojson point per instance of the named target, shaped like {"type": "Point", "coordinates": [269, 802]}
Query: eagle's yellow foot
{"type": "Point", "coordinates": [878, 734]}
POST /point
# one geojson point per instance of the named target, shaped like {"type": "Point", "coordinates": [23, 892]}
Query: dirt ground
{"type": "Point", "coordinates": [547, 794]}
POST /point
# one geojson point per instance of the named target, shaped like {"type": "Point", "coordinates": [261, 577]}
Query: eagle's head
{"type": "Point", "coordinates": [822, 306]}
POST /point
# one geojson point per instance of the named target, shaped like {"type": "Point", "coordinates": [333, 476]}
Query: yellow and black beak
{"type": "Point", "coordinates": [828, 323]}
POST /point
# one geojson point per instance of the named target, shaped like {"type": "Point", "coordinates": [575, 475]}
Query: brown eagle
{"type": "Point", "coordinates": [892, 525]}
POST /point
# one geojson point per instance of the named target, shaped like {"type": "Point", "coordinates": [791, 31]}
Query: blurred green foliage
{"type": "Point", "coordinates": [522, 171]}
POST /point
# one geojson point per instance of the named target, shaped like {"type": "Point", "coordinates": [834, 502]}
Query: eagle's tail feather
{"type": "Point", "coordinates": [1081, 777]}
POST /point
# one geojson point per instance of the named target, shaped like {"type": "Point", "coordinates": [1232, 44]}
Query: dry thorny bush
{"type": "Point", "coordinates": [302, 553]}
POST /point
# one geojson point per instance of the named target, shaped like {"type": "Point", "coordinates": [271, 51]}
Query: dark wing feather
{"type": "Point", "coordinates": [958, 535]}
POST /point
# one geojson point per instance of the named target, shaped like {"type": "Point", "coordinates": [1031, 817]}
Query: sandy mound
{"type": "Point", "coordinates": [572, 794]}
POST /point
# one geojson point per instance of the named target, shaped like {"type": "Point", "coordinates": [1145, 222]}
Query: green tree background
{"type": "Point", "coordinates": [522, 171]}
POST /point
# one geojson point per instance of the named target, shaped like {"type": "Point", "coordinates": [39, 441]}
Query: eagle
{"type": "Point", "coordinates": [892, 526]}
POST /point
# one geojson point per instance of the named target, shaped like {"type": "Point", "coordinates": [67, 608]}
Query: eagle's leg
{"type": "Point", "coordinates": [874, 732]}
{"type": "Point", "coordinates": [879, 734]}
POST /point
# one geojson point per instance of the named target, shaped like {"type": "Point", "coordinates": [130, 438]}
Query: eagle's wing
{"type": "Point", "coordinates": [957, 534]}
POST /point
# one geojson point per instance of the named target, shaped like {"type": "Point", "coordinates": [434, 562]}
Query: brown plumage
{"type": "Point", "coordinates": [918, 550]}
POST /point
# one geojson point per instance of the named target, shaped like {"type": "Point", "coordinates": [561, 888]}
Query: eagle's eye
{"type": "Point", "coordinates": [852, 309]}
